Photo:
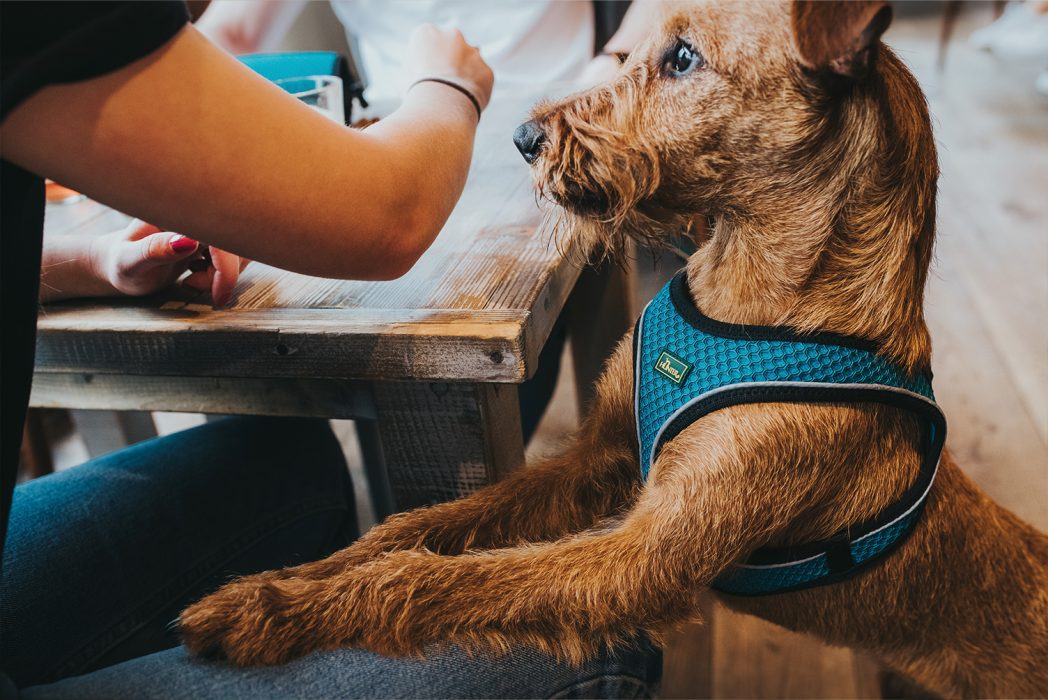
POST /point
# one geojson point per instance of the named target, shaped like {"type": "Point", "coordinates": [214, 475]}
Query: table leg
{"type": "Point", "coordinates": [600, 311]}
{"type": "Point", "coordinates": [106, 431]}
{"type": "Point", "coordinates": [375, 468]}
{"type": "Point", "coordinates": [36, 458]}
{"type": "Point", "coordinates": [443, 441]}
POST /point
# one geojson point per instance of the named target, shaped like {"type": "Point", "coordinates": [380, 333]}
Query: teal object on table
{"type": "Point", "coordinates": [298, 64]}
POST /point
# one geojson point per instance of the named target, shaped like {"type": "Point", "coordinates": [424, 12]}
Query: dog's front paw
{"type": "Point", "coordinates": [255, 621]}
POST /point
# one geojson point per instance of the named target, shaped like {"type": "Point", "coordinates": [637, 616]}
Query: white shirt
{"type": "Point", "coordinates": [524, 41]}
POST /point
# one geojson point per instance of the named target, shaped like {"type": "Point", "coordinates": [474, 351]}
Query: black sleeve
{"type": "Point", "coordinates": [43, 43]}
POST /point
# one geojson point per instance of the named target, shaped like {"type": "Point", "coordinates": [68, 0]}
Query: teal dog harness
{"type": "Point", "coordinates": [687, 365]}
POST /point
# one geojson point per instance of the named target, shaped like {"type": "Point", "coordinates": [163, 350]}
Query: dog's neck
{"type": "Point", "coordinates": [846, 252]}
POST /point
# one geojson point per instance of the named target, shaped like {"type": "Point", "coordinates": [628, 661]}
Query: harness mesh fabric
{"type": "Point", "coordinates": [711, 365]}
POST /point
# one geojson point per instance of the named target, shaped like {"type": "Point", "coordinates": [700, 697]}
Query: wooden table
{"type": "Point", "coordinates": [428, 364]}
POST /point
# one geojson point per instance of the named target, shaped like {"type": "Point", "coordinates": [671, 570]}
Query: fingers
{"type": "Point", "coordinates": [147, 247]}
{"type": "Point", "coordinates": [200, 280]}
{"type": "Point", "coordinates": [167, 248]}
{"type": "Point", "coordinates": [140, 256]}
{"type": "Point", "coordinates": [215, 270]}
{"type": "Point", "coordinates": [137, 230]}
{"type": "Point", "coordinates": [436, 52]}
{"type": "Point", "coordinates": [227, 271]}
{"type": "Point", "coordinates": [599, 70]}
{"type": "Point", "coordinates": [137, 266]}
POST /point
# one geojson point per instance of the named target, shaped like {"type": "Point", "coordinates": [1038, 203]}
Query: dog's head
{"type": "Point", "coordinates": [722, 106]}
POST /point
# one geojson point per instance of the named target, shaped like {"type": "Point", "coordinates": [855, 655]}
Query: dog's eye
{"type": "Point", "coordinates": [681, 60]}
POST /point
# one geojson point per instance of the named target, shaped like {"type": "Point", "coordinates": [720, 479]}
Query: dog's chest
{"type": "Point", "coordinates": [687, 365]}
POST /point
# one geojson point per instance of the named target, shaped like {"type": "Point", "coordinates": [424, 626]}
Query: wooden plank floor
{"type": "Point", "coordinates": [987, 307]}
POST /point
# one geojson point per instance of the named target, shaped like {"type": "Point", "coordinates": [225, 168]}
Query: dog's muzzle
{"type": "Point", "coordinates": [529, 137]}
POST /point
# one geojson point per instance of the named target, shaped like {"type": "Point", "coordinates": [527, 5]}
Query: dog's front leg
{"type": "Point", "coordinates": [707, 506]}
{"type": "Point", "coordinates": [596, 476]}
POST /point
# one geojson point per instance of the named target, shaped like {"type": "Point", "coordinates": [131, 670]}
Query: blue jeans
{"type": "Point", "coordinates": [353, 673]}
{"type": "Point", "coordinates": [101, 558]}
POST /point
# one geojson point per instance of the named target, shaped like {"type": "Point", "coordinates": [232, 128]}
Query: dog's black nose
{"type": "Point", "coordinates": [529, 138]}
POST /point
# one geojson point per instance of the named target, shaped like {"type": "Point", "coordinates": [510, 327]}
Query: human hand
{"type": "Point", "coordinates": [443, 53]}
{"type": "Point", "coordinates": [218, 271]}
{"type": "Point", "coordinates": [142, 259]}
{"type": "Point", "coordinates": [601, 68]}
{"type": "Point", "coordinates": [238, 27]}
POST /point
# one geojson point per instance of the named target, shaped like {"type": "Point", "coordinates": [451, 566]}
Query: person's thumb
{"type": "Point", "coordinates": [167, 248]}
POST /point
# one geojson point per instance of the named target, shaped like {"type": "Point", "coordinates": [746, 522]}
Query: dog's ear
{"type": "Point", "coordinates": [838, 35]}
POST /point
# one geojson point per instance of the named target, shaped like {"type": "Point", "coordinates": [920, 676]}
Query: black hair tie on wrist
{"type": "Point", "coordinates": [456, 86]}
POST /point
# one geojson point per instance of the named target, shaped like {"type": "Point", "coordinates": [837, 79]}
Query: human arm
{"type": "Point", "coordinates": [193, 141]}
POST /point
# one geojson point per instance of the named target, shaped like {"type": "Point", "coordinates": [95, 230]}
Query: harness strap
{"type": "Point", "coordinates": [782, 367]}
{"type": "Point", "coordinates": [783, 569]}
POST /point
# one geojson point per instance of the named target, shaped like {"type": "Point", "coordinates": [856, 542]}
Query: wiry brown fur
{"type": "Point", "coordinates": [822, 190]}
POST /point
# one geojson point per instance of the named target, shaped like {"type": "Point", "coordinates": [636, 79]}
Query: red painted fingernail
{"type": "Point", "coordinates": [183, 245]}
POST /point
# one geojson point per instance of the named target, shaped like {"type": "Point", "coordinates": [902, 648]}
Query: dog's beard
{"type": "Point", "coordinates": [604, 204]}
{"type": "Point", "coordinates": [604, 174]}
{"type": "Point", "coordinates": [595, 238]}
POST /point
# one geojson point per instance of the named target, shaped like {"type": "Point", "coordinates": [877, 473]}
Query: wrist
{"type": "Point", "coordinates": [462, 90]}
{"type": "Point", "coordinates": [446, 91]}
{"type": "Point", "coordinates": [71, 268]}
{"type": "Point", "coordinates": [100, 266]}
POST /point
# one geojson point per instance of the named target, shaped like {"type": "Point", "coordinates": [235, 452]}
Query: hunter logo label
{"type": "Point", "coordinates": [672, 367]}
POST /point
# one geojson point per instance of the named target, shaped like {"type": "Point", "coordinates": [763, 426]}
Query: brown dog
{"type": "Point", "coordinates": [810, 145]}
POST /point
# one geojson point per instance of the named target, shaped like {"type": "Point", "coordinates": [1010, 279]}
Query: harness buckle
{"type": "Point", "coordinates": [839, 559]}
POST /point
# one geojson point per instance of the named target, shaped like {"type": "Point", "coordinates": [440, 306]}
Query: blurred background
{"type": "Point", "coordinates": [984, 68]}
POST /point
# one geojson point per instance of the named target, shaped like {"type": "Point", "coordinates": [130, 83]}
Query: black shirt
{"type": "Point", "coordinates": [44, 43]}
